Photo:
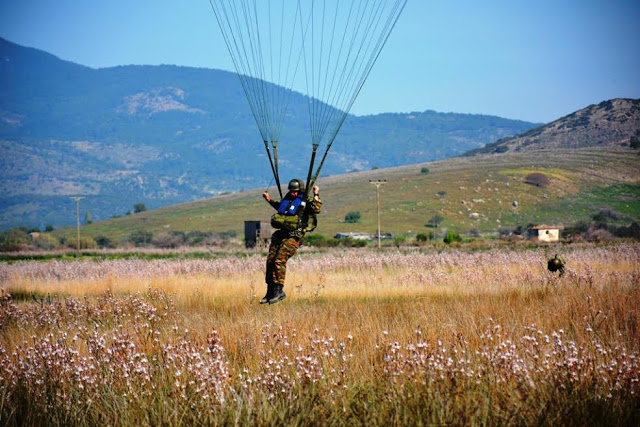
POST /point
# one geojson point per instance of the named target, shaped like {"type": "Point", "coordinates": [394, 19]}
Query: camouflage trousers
{"type": "Point", "coordinates": [281, 249]}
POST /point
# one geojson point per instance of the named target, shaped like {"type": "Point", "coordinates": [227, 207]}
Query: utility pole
{"type": "Point", "coordinates": [77, 199]}
{"type": "Point", "coordinates": [378, 183]}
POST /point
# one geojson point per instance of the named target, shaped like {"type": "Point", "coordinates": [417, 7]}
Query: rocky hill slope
{"type": "Point", "coordinates": [612, 123]}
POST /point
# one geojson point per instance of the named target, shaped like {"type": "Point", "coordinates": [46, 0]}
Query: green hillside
{"type": "Point", "coordinates": [581, 182]}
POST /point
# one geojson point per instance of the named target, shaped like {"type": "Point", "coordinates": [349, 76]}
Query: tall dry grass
{"type": "Point", "coordinates": [393, 337]}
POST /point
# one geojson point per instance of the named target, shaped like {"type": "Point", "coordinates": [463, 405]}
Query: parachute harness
{"type": "Point", "coordinates": [335, 42]}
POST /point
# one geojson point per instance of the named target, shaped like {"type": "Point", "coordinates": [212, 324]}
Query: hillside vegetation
{"type": "Point", "coordinates": [162, 135]}
{"type": "Point", "coordinates": [468, 192]}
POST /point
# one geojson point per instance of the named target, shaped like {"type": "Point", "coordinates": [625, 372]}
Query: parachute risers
{"type": "Point", "coordinates": [314, 149]}
{"type": "Point", "coordinates": [333, 43]}
{"type": "Point", "coordinates": [274, 168]}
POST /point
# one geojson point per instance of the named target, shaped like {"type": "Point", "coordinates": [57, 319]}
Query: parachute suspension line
{"type": "Point", "coordinates": [326, 108]}
{"type": "Point", "coordinates": [344, 79]}
{"type": "Point", "coordinates": [382, 40]}
{"type": "Point", "coordinates": [284, 94]}
{"type": "Point", "coordinates": [243, 72]}
{"type": "Point", "coordinates": [316, 90]}
{"type": "Point", "coordinates": [340, 42]}
{"type": "Point", "coordinates": [356, 77]}
{"type": "Point", "coordinates": [387, 28]}
{"type": "Point", "coordinates": [331, 104]}
{"type": "Point", "coordinates": [311, 163]}
{"type": "Point", "coordinates": [273, 170]}
{"type": "Point", "coordinates": [356, 50]}
{"type": "Point", "coordinates": [229, 39]}
{"type": "Point", "coordinates": [242, 38]}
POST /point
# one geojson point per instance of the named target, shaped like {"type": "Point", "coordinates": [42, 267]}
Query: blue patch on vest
{"type": "Point", "coordinates": [290, 207]}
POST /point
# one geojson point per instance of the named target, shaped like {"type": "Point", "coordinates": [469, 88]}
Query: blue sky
{"type": "Point", "coordinates": [529, 60]}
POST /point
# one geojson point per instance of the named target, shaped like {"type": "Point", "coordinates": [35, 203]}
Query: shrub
{"type": "Point", "coordinates": [227, 235]}
{"type": "Point", "coordinates": [195, 238]}
{"type": "Point", "coordinates": [139, 207]}
{"type": "Point", "coordinates": [104, 242]}
{"type": "Point", "coordinates": [315, 240]}
{"type": "Point", "coordinates": [169, 240]}
{"type": "Point", "coordinates": [538, 179]}
{"type": "Point", "coordinates": [352, 217]}
{"type": "Point", "coordinates": [599, 235]}
{"type": "Point", "coordinates": [46, 242]}
{"type": "Point", "coordinates": [421, 238]}
{"type": "Point", "coordinates": [141, 237]}
{"type": "Point", "coordinates": [505, 231]}
{"type": "Point", "coordinates": [15, 236]}
{"type": "Point", "coordinates": [451, 237]}
{"type": "Point", "coordinates": [604, 214]}
{"type": "Point", "coordinates": [350, 242]}
{"type": "Point", "coordinates": [424, 170]}
{"type": "Point", "coordinates": [86, 242]}
{"type": "Point", "coordinates": [399, 239]}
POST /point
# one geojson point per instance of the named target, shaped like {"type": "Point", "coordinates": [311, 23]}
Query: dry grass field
{"type": "Point", "coordinates": [397, 337]}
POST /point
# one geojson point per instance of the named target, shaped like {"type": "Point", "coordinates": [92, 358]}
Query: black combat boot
{"type": "Point", "coordinates": [278, 294]}
{"type": "Point", "coordinates": [265, 299]}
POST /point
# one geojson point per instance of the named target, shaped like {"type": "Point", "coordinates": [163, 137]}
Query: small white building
{"type": "Point", "coordinates": [545, 233]}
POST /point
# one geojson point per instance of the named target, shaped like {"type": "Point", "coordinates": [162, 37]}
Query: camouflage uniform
{"type": "Point", "coordinates": [285, 244]}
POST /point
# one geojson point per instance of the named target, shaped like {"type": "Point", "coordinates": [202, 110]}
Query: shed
{"type": "Point", "coordinates": [546, 233]}
{"type": "Point", "coordinates": [257, 233]}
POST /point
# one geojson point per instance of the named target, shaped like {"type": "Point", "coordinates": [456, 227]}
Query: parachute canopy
{"type": "Point", "coordinates": [322, 48]}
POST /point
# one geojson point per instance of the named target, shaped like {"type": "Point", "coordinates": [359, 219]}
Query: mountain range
{"type": "Point", "coordinates": [161, 135]}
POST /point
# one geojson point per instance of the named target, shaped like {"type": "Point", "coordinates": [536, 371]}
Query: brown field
{"type": "Point", "coordinates": [397, 337]}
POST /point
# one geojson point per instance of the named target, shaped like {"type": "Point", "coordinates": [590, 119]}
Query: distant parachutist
{"type": "Point", "coordinates": [556, 263]}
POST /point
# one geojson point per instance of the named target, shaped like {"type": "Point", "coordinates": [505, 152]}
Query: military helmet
{"type": "Point", "coordinates": [296, 185]}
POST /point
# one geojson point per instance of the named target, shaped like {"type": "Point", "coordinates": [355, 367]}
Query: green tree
{"type": "Point", "coordinates": [139, 207]}
{"type": "Point", "coordinates": [424, 170]}
{"type": "Point", "coordinates": [352, 217]}
{"type": "Point", "coordinates": [87, 218]}
{"type": "Point", "coordinates": [399, 239]}
{"type": "Point", "coordinates": [452, 237]}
